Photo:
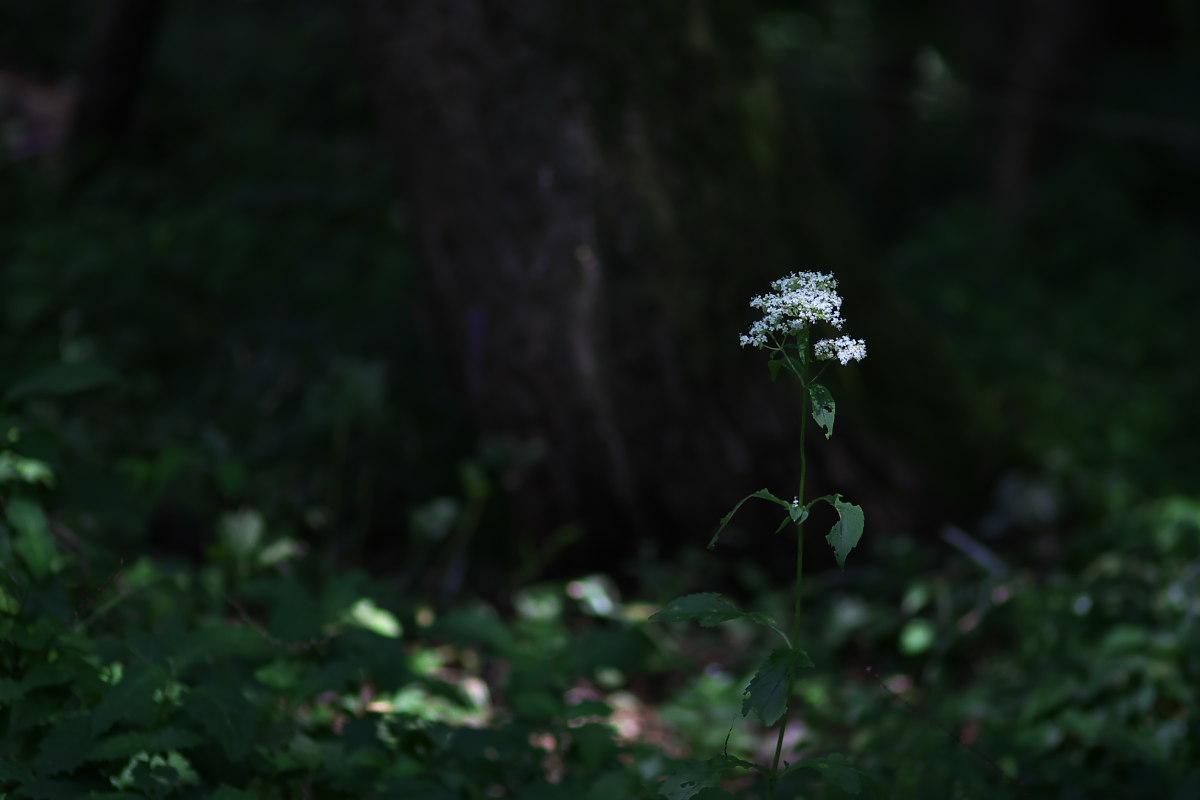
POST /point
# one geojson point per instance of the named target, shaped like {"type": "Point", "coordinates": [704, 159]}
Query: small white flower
{"type": "Point", "coordinates": [796, 502]}
{"type": "Point", "coordinates": [843, 348]}
{"type": "Point", "coordinates": [799, 300]}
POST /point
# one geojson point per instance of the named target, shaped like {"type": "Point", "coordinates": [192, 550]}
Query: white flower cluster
{"type": "Point", "coordinates": [843, 348]}
{"type": "Point", "coordinates": [801, 299]}
{"type": "Point", "coordinates": [798, 300]}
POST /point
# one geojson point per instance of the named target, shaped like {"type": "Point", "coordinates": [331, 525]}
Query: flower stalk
{"type": "Point", "coordinates": [798, 303]}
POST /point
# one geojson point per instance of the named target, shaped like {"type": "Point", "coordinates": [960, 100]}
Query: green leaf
{"type": "Point", "coordinates": [15, 467]}
{"type": "Point", "coordinates": [131, 700]}
{"type": "Point", "coordinates": [10, 690]}
{"type": "Point", "coordinates": [823, 407]}
{"type": "Point", "coordinates": [58, 380]}
{"type": "Point", "coordinates": [65, 746]}
{"type": "Point", "coordinates": [692, 778]}
{"type": "Point", "coordinates": [224, 717]}
{"type": "Point", "coordinates": [367, 615]}
{"type": "Point", "coordinates": [761, 494]}
{"type": "Point", "coordinates": [834, 770]}
{"type": "Point", "coordinates": [916, 637]}
{"type": "Point", "coordinates": [241, 532]}
{"type": "Point", "coordinates": [124, 745]}
{"type": "Point", "coordinates": [845, 533]}
{"type": "Point", "coordinates": [11, 770]}
{"type": "Point", "coordinates": [767, 694]}
{"type": "Point", "coordinates": [33, 544]}
{"type": "Point", "coordinates": [707, 608]}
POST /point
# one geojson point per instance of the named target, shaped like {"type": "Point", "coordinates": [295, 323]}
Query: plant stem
{"type": "Point", "coordinates": [774, 776]}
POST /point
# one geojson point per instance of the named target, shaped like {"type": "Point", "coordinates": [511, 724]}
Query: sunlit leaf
{"type": "Point", "coordinates": [367, 615]}
{"type": "Point", "coordinates": [916, 637]}
{"type": "Point", "coordinates": [15, 467]}
{"type": "Point", "coordinates": [241, 532]}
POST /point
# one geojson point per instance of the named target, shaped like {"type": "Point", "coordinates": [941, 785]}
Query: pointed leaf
{"type": "Point", "coordinates": [707, 608]}
{"type": "Point", "coordinates": [823, 407]}
{"type": "Point", "coordinates": [761, 494]}
{"type": "Point", "coordinates": [767, 694]}
{"type": "Point", "coordinates": [846, 532]}
{"type": "Point", "coordinates": [692, 778]}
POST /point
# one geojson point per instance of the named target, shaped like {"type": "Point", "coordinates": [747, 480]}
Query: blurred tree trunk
{"type": "Point", "coordinates": [564, 164]}
{"type": "Point", "coordinates": [1031, 64]}
{"type": "Point", "coordinates": [112, 76]}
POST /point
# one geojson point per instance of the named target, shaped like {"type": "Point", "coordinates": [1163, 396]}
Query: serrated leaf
{"type": "Point", "coordinates": [224, 716]}
{"type": "Point", "coordinates": [823, 407]}
{"type": "Point", "coordinates": [124, 745]}
{"type": "Point", "coordinates": [131, 700]}
{"type": "Point", "coordinates": [767, 694]}
{"type": "Point", "coordinates": [761, 494]}
{"type": "Point", "coordinates": [12, 770]}
{"type": "Point", "coordinates": [845, 533]}
{"type": "Point", "coordinates": [64, 747]}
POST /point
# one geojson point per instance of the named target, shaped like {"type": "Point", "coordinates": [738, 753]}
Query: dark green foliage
{"type": "Point", "coordinates": [213, 360]}
{"type": "Point", "coordinates": [175, 691]}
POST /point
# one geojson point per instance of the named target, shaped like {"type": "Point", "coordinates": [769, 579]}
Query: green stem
{"type": "Point", "coordinates": [774, 775]}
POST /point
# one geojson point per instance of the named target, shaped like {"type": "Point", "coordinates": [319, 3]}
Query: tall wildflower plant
{"type": "Point", "coordinates": [793, 313]}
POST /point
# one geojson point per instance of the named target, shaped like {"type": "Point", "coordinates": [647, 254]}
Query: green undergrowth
{"type": "Point", "coordinates": [243, 678]}
{"type": "Point", "coordinates": [256, 673]}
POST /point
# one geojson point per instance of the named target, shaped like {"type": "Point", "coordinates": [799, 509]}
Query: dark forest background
{"type": "Point", "coordinates": [446, 294]}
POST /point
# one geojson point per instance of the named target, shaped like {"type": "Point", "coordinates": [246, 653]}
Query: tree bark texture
{"type": "Point", "coordinates": [489, 110]}
{"type": "Point", "coordinates": [596, 196]}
